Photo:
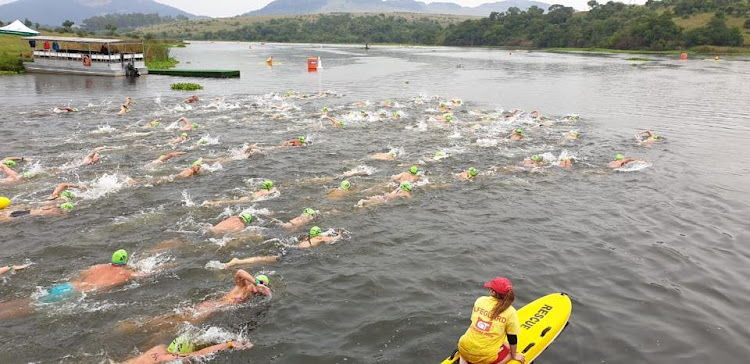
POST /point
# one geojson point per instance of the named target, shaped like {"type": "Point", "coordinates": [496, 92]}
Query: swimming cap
{"type": "Point", "coordinates": [26, 174]}
{"type": "Point", "coordinates": [472, 171]}
{"type": "Point", "coordinates": [406, 186]}
{"type": "Point", "coordinates": [10, 163]}
{"type": "Point", "coordinates": [442, 104]}
{"type": "Point", "coordinates": [67, 194]}
{"type": "Point", "coordinates": [4, 202]}
{"type": "Point", "coordinates": [414, 170]}
{"type": "Point", "coordinates": [576, 133]}
{"type": "Point", "coordinates": [619, 157]}
{"type": "Point", "coordinates": [196, 126]}
{"type": "Point", "coordinates": [67, 206]}
{"type": "Point", "coordinates": [315, 231]}
{"type": "Point", "coordinates": [448, 117]}
{"type": "Point", "coordinates": [181, 345]}
{"type": "Point", "coordinates": [345, 185]}
{"type": "Point", "coordinates": [519, 132]}
{"type": "Point", "coordinates": [120, 257]}
{"type": "Point", "coordinates": [155, 124]}
{"type": "Point", "coordinates": [262, 279]}
{"type": "Point", "coordinates": [325, 109]}
{"type": "Point", "coordinates": [308, 212]}
{"type": "Point", "coordinates": [301, 139]}
{"type": "Point", "coordinates": [196, 163]}
{"type": "Point", "coordinates": [246, 218]}
{"type": "Point", "coordinates": [656, 136]}
{"type": "Point", "coordinates": [396, 114]}
{"type": "Point", "coordinates": [439, 154]}
{"type": "Point", "coordinates": [203, 142]}
{"type": "Point", "coordinates": [183, 135]}
{"type": "Point", "coordinates": [536, 158]}
{"type": "Point", "coordinates": [267, 185]}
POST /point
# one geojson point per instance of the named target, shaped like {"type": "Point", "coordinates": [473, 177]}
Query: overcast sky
{"type": "Point", "coordinates": [217, 8]}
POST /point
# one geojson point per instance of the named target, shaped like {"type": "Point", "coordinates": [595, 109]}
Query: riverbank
{"type": "Point", "coordinates": [708, 50]}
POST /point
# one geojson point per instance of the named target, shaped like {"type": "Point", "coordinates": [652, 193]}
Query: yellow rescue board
{"type": "Point", "coordinates": [541, 321]}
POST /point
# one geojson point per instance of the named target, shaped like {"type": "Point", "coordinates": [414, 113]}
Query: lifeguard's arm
{"type": "Point", "coordinates": [9, 172]}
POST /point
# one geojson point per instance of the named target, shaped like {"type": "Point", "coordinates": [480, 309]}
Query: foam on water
{"type": "Point", "coordinates": [104, 185]}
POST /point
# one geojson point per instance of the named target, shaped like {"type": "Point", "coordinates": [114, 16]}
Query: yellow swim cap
{"type": "Point", "coordinates": [4, 202]}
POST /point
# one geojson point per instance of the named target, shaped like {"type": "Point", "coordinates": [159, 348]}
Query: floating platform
{"type": "Point", "coordinates": [196, 73]}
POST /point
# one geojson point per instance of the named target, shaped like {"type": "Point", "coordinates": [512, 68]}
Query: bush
{"type": "Point", "coordinates": [747, 24]}
{"type": "Point", "coordinates": [186, 86]}
{"type": "Point", "coordinates": [10, 63]}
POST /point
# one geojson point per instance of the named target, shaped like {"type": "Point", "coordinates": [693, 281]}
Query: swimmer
{"type": "Point", "coordinates": [194, 170]}
{"type": "Point", "coordinates": [179, 140]}
{"type": "Point", "coordinates": [341, 191]}
{"type": "Point", "coordinates": [620, 161]}
{"type": "Point", "coordinates": [536, 115]}
{"type": "Point", "coordinates": [396, 115]}
{"type": "Point", "coordinates": [165, 157]}
{"type": "Point", "coordinates": [565, 162]}
{"type": "Point", "coordinates": [186, 124]}
{"type": "Point", "coordinates": [254, 148]}
{"type": "Point", "coordinates": [232, 224]}
{"type": "Point", "coordinates": [536, 160]}
{"type": "Point", "coordinates": [192, 99]}
{"type": "Point", "coordinates": [153, 124]}
{"type": "Point", "coordinates": [335, 122]}
{"type": "Point", "coordinates": [468, 174]}
{"type": "Point", "coordinates": [269, 61]}
{"type": "Point", "coordinates": [129, 102]}
{"type": "Point", "coordinates": [92, 158]}
{"type": "Point", "coordinates": [183, 348]}
{"type": "Point", "coordinates": [650, 137]}
{"type": "Point", "coordinates": [384, 156]}
{"type": "Point", "coordinates": [64, 109]}
{"type": "Point", "coordinates": [12, 268]}
{"type": "Point", "coordinates": [315, 237]}
{"type": "Point", "coordinates": [444, 107]}
{"type": "Point", "coordinates": [250, 261]}
{"type": "Point", "coordinates": [439, 155]}
{"type": "Point", "coordinates": [412, 175]}
{"type": "Point", "coordinates": [511, 114]}
{"type": "Point", "coordinates": [123, 110]}
{"type": "Point", "coordinates": [98, 278]}
{"type": "Point", "coordinates": [573, 134]}
{"type": "Point", "coordinates": [48, 210]}
{"type": "Point", "coordinates": [294, 142]}
{"type": "Point", "coordinates": [387, 103]}
{"type": "Point", "coordinates": [307, 216]}
{"type": "Point", "coordinates": [267, 189]}
{"type": "Point", "coordinates": [61, 191]}
{"type": "Point", "coordinates": [403, 190]}
{"type": "Point", "coordinates": [11, 177]}
{"type": "Point", "coordinates": [517, 135]}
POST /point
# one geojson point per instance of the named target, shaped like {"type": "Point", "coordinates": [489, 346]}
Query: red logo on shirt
{"type": "Point", "coordinates": [483, 326]}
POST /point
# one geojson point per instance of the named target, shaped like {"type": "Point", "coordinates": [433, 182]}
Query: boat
{"type": "Point", "coordinates": [86, 56]}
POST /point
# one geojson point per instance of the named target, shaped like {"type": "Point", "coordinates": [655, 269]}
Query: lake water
{"type": "Point", "coordinates": [655, 258]}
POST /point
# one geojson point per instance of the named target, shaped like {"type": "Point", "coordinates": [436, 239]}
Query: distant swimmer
{"type": "Point", "coordinates": [650, 137]}
{"type": "Point", "coordinates": [232, 224]}
{"type": "Point", "coordinates": [186, 125]}
{"type": "Point", "coordinates": [565, 162]}
{"type": "Point", "coordinates": [574, 134]}
{"type": "Point", "coordinates": [537, 115]}
{"type": "Point", "coordinates": [62, 191]}
{"type": "Point", "coordinates": [64, 109]}
{"type": "Point", "coordinates": [385, 156]}
{"type": "Point", "coordinates": [403, 190]}
{"type": "Point", "coordinates": [536, 160]}
{"type": "Point", "coordinates": [412, 175]}
{"type": "Point", "coordinates": [194, 170]}
{"type": "Point", "coordinates": [294, 142]}
{"type": "Point", "coordinates": [621, 161]}
{"type": "Point", "coordinates": [316, 237]}
{"type": "Point", "coordinates": [12, 268]}
{"type": "Point", "coordinates": [511, 114]}
{"type": "Point", "coordinates": [267, 189]}
{"type": "Point", "coordinates": [469, 174]}
{"type": "Point", "coordinates": [11, 177]}
{"type": "Point", "coordinates": [269, 61]}
{"type": "Point", "coordinates": [344, 189]}
{"type": "Point", "coordinates": [129, 102]}
{"type": "Point", "coordinates": [307, 216]}
{"type": "Point", "coordinates": [336, 123]}
{"type": "Point", "coordinates": [98, 278]}
{"type": "Point", "coordinates": [179, 140]}
{"type": "Point", "coordinates": [47, 210]}
{"type": "Point", "coordinates": [123, 109]}
{"type": "Point", "coordinates": [192, 99]}
{"type": "Point", "coordinates": [93, 157]}
{"type": "Point", "coordinates": [153, 124]}
{"type": "Point", "coordinates": [493, 319]}
{"type": "Point", "coordinates": [184, 348]}
{"type": "Point", "coordinates": [165, 157]}
{"type": "Point", "coordinates": [517, 135]}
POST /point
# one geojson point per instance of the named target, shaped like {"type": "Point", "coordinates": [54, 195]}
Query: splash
{"type": "Point", "coordinates": [186, 200]}
{"type": "Point", "coordinates": [360, 170]}
{"type": "Point", "coordinates": [104, 129]}
{"type": "Point", "coordinates": [104, 185]}
{"type": "Point", "coordinates": [208, 140]}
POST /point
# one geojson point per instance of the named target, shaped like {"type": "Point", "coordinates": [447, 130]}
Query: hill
{"type": "Point", "coordinates": [54, 12]}
{"type": "Point", "coordinates": [287, 7]}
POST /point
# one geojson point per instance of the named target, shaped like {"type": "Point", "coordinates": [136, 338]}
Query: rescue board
{"type": "Point", "coordinates": [541, 321]}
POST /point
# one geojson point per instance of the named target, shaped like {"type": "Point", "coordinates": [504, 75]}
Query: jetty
{"type": "Point", "coordinates": [196, 73]}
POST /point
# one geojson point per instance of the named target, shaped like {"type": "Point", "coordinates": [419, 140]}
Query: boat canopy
{"type": "Point", "coordinates": [44, 38]}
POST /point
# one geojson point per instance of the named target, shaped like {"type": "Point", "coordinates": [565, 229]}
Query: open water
{"type": "Point", "coordinates": [655, 257]}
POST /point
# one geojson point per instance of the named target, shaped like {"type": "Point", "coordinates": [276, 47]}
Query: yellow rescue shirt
{"type": "Point", "coordinates": [484, 338]}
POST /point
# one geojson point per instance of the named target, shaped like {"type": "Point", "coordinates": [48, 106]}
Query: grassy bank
{"type": "Point", "coordinates": [157, 54]}
{"type": "Point", "coordinates": [709, 50]}
{"type": "Point", "coordinates": [12, 53]}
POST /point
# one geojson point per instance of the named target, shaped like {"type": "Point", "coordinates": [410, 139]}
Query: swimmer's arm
{"type": "Point", "coordinates": [61, 187]}
{"type": "Point", "coordinates": [11, 267]}
{"type": "Point", "coordinates": [9, 172]}
{"type": "Point", "coordinates": [242, 275]}
{"type": "Point", "coordinates": [220, 347]}
{"type": "Point", "coordinates": [171, 155]}
{"type": "Point", "coordinates": [12, 159]}
{"type": "Point", "coordinates": [252, 260]}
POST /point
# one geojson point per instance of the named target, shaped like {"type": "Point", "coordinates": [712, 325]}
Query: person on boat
{"type": "Point", "coordinates": [316, 237]}
{"type": "Point", "coordinates": [267, 189]}
{"type": "Point", "coordinates": [621, 160]}
{"type": "Point", "coordinates": [96, 278]}
{"type": "Point", "coordinates": [517, 134]}
{"type": "Point", "coordinates": [92, 158]}
{"type": "Point", "coordinates": [47, 210]}
{"type": "Point", "coordinates": [403, 190]}
{"type": "Point", "coordinates": [294, 142]}
{"type": "Point", "coordinates": [307, 216]}
{"type": "Point", "coordinates": [232, 224]}
{"type": "Point", "coordinates": [192, 99]}
{"type": "Point", "coordinates": [412, 175]}
{"type": "Point", "coordinates": [12, 268]}
{"type": "Point", "coordinates": [492, 320]}
{"type": "Point", "coordinates": [468, 174]}
{"type": "Point", "coordinates": [184, 348]}
{"type": "Point", "coordinates": [179, 140]}
{"type": "Point", "coordinates": [650, 137]}
{"type": "Point", "coordinates": [164, 158]}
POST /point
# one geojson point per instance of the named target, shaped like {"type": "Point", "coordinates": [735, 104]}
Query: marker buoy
{"type": "Point", "coordinates": [312, 64]}
{"type": "Point", "coordinates": [683, 56]}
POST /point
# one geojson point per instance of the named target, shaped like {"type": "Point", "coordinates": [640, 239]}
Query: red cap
{"type": "Point", "coordinates": [500, 285]}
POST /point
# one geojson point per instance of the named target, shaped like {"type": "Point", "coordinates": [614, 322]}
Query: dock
{"type": "Point", "coordinates": [196, 73]}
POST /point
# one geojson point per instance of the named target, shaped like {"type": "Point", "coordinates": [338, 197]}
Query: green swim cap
{"type": "Point", "coordinates": [308, 212]}
{"type": "Point", "coordinates": [576, 134]}
{"type": "Point", "coordinates": [267, 185]}
{"type": "Point", "coordinates": [184, 135]}
{"type": "Point", "coordinates": [345, 185]}
{"type": "Point", "coordinates": [67, 206]}
{"type": "Point", "coordinates": [26, 174]}
{"type": "Point", "coordinates": [656, 136]}
{"type": "Point", "coordinates": [315, 231]}
{"type": "Point", "coordinates": [442, 104]}
{"type": "Point", "coordinates": [472, 171]}
{"type": "Point", "coordinates": [519, 132]}
{"type": "Point", "coordinates": [120, 257]}
{"type": "Point", "coordinates": [406, 186]}
{"type": "Point", "coordinates": [196, 126]}
{"type": "Point", "coordinates": [246, 218]}
{"type": "Point", "coordinates": [414, 169]}
{"type": "Point", "coordinates": [536, 158]}
{"type": "Point", "coordinates": [196, 163]}
{"type": "Point", "coordinates": [396, 114]}
{"type": "Point", "coordinates": [301, 139]}
{"type": "Point", "coordinates": [448, 117]}
{"type": "Point", "coordinates": [439, 154]}
{"type": "Point", "coordinates": [325, 109]}
{"type": "Point", "coordinates": [155, 124]}
{"type": "Point", "coordinates": [10, 163]}
{"type": "Point", "coordinates": [262, 280]}
{"type": "Point", "coordinates": [67, 194]}
{"type": "Point", "coordinates": [181, 345]}
{"type": "Point", "coordinates": [619, 157]}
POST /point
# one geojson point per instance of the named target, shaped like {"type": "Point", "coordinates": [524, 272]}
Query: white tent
{"type": "Point", "coordinates": [17, 28]}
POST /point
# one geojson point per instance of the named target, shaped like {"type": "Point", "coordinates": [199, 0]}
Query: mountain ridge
{"type": "Point", "coordinates": [57, 11]}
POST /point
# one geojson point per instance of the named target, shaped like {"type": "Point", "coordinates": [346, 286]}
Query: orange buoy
{"type": "Point", "coordinates": [312, 63]}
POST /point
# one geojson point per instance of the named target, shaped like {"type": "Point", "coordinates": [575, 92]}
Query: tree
{"type": "Point", "coordinates": [747, 24]}
{"type": "Point", "coordinates": [67, 24]}
{"type": "Point", "coordinates": [27, 22]}
{"type": "Point", "coordinates": [112, 29]}
{"type": "Point", "coordinates": [592, 4]}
